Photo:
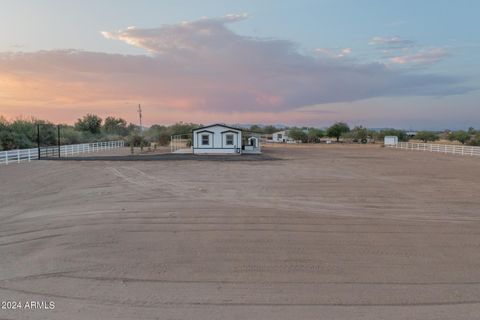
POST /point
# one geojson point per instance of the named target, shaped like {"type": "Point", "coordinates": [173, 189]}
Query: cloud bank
{"type": "Point", "coordinates": [401, 51]}
{"type": "Point", "coordinates": [203, 66]}
{"type": "Point", "coordinates": [391, 42]}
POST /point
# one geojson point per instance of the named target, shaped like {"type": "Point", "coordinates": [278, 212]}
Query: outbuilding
{"type": "Point", "coordinates": [390, 140]}
{"type": "Point", "coordinates": [282, 136]}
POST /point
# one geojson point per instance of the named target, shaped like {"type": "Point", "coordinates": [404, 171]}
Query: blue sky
{"type": "Point", "coordinates": [409, 38]}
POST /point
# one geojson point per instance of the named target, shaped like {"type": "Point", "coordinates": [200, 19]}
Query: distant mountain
{"type": "Point", "coordinates": [245, 126]}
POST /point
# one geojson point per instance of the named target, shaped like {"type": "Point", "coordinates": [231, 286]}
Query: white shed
{"type": "Point", "coordinates": [390, 140]}
{"type": "Point", "coordinates": [216, 139]}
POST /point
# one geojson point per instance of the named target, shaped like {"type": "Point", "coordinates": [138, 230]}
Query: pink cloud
{"type": "Point", "coordinates": [200, 70]}
{"type": "Point", "coordinates": [426, 56]}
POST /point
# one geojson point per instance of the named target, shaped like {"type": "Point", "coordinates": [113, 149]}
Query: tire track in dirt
{"type": "Point", "coordinates": [155, 304]}
{"type": "Point", "coordinates": [29, 240]}
{"type": "Point", "coordinates": [141, 280]}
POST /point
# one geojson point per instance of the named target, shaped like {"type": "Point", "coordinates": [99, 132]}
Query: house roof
{"type": "Point", "coordinates": [217, 124]}
{"type": "Point", "coordinates": [204, 131]}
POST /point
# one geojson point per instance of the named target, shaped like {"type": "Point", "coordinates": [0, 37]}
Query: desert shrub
{"type": "Point", "coordinates": [68, 135]}
{"type": "Point", "coordinates": [401, 134]}
{"type": "Point", "coordinates": [298, 134]}
{"type": "Point", "coordinates": [136, 140]}
{"type": "Point", "coordinates": [475, 141]}
{"type": "Point", "coordinates": [427, 136]}
{"type": "Point", "coordinates": [12, 140]}
{"type": "Point", "coordinates": [460, 136]}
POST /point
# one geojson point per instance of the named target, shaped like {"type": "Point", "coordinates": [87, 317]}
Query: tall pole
{"type": "Point", "coordinates": [58, 139]}
{"type": "Point", "coordinates": [38, 140]}
{"type": "Point", "coordinates": [140, 116]}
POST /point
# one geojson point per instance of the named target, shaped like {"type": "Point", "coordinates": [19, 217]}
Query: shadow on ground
{"type": "Point", "coordinates": [169, 157]}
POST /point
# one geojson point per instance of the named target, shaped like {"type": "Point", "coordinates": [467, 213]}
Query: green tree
{"type": "Point", "coordinates": [89, 123]}
{"type": "Point", "coordinates": [270, 129]}
{"type": "Point", "coordinates": [358, 133]}
{"type": "Point", "coordinates": [426, 136]}
{"type": "Point", "coordinates": [472, 131]}
{"type": "Point", "coordinates": [133, 129]}
{"type": "Point", "coordinates": [314, 134]}
{"type": "Point", "coordinates": [182, 128]}
{"type": "Point", "coordinates": [460, 136]}
{"type": "Point", "coordinates": [297, 134]}
{"type": "Point", "coordinates": [256, 128]}
{"type": "Point", "coordinates": [3, 123]}
{"type": "Point", "coordinates": [337, 129]}
{"type": "Point", "coordinates": [114, 125]}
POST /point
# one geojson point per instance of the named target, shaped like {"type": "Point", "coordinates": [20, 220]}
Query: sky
{"type": "Point", "coordinates": [403, 64]}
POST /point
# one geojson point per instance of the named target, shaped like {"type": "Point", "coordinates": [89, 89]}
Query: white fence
{"type": "Point", "coordinates": [22, 155]}
{"type": "Point", "coordinates": [442, 148]}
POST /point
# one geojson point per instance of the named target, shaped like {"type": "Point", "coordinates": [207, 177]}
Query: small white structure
{"type": "Point", "coordinates": [390, 140]}
{"type": "Point", "coordinates": [282, 136]}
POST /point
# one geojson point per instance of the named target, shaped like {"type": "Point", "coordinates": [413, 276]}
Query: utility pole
{"type": "Point", "coordinates": [38, 140]}
{"type": "Point", "coordinates": [59, 145]}
{"type": "Point", "coordinates": [140, 116]}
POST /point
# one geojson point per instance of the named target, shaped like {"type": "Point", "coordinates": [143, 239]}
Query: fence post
{"type": "Point", "coordinates": [18, 155]}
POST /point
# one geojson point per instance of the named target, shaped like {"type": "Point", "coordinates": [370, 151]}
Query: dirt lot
{"type": "Point", "coordinates": [326, 232]}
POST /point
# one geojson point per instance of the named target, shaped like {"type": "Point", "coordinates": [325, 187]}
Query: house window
{"type": "Point", "coordinates": [205, 139]}
{"type": "Point", "coordinates": [229, 139]}
{"type": "Point", "coordinates": [279, 136]}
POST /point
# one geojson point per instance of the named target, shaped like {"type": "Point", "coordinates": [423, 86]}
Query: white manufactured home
{"type": "Point", "coordinates": [282, 136]}
{"type": "Point", "coordinates": [223, 139]}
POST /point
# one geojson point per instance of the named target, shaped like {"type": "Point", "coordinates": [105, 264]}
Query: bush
{"type": "Point", "coordinates": [297, 134]}
{"type": "Point", "coordinates": [357, 134]}
{"type": "Point", "coordinates": [12, 140]}
{"type": "Point", "coordinates": [136, 141]}
{"type": "Point", "coordinates": [401, 134]}
{"type": "Point", "coordinates": [475, 141]}
{"type": "Point", "coordinates": [460, 136]}
{"type": "Point", "coordinates": [69, 135]}
{"type": "Point", "coordinates": [426, 136]}
{"type": "Point", "coordinates": [314, 135]}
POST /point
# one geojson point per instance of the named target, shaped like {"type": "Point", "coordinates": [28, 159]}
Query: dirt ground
{"type": "Point", "coordinates": [323, 232]}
